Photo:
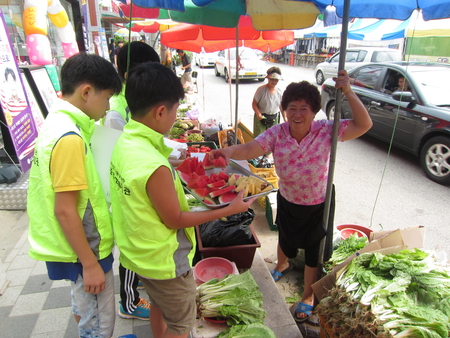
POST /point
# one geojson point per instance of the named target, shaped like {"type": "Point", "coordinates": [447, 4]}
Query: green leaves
{"type": "Point", "coordinates": [235, 298]}
{"type": "Point", "coordinates": [255, 330]}
{"type": "Point", "coordinates": [407, 292]}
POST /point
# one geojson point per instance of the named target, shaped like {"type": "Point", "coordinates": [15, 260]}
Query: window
{"type": "Point", "coordinates": [383, 56]}
{"type": "Point", "coordinates": [361, 56]}
{"type": "Point", "coordinates": [366, 77]}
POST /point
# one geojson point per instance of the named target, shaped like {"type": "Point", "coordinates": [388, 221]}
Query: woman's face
{"type": "Point", "coordinates": [272, 83]}
{"type": "Point", "coordinates": [11, 85]}
{"type": "Point", "coordinates": [300, 116]}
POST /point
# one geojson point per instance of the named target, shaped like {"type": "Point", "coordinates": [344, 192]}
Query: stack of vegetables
{"type": "Point", "coordinates": [179, 128]}
{"type": "Point", "coordinates": [236, 299]}
{"type": "Point", "coordinates": [345, 248]}
{"type": "Point", "coordinates": [405, 294]}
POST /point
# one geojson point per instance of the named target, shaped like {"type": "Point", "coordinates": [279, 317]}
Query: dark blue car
{"type": "Point", "coordinates": [415, 116]}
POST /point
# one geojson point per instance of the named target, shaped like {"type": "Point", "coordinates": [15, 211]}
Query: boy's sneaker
{"type": "Point", "coordinates": [140, 285]}
{"type": "Point", "coordinates": [141, 312]}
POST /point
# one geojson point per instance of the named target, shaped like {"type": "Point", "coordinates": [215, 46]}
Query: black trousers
{"type": "Point", "coordinates": [128, 289]}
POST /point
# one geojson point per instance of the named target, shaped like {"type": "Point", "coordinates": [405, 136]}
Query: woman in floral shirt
{"type": "Point", "coordinates": [301, 150]}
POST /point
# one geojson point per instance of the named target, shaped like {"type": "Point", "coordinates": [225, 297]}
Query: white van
{"type": "Point", "coordinates": [355, 57]}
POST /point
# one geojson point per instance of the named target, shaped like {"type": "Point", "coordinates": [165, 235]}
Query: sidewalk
{"type": "Point", "coordinates": [31, 305]}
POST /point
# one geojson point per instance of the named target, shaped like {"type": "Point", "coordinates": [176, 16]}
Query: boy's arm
{"type": "Point", "coordinates": [161, 191]}
{"type": "Point", "coordinates": [70, 222]}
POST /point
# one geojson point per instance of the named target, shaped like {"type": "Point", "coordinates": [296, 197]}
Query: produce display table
{"type": "Point", "coordinates": [278, 317]}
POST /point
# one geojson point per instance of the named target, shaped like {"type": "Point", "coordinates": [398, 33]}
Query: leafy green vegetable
{"type": "Point", "coordinates": [234, 297]}
{"type": "Point", "coordinates": [345, 249]}
{"type": "Point", "coordinates": [398, 295]}
{"type": "Point", "coordinates": [195, 137]}
{"type": "Point", "coordinates": [256, 330]}
{"type": "Point", "coordinates": [176, 132]}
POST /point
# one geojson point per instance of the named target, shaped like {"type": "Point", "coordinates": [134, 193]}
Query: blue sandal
{"type": "Point", "coordinates": [276, 275]}
{"type": "Point", "coordinates": [303, 308]}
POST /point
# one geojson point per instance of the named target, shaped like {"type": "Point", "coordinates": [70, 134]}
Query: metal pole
{"type": "Point", "coordinates": [337, 113]}
{"type": "Point", "coordinates": [237, 86]}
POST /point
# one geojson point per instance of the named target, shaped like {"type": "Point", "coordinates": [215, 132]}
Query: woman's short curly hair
{"type": "Point", "coordinates": [302, 91]}
{"type": "Point", "coordinates": [273, 70]}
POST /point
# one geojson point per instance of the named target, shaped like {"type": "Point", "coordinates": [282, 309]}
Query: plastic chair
{"type": "Point", "coordinates": [194, 75]}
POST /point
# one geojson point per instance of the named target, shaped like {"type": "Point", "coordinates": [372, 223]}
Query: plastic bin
{"type": "Point", "coordinates": [242, 255]}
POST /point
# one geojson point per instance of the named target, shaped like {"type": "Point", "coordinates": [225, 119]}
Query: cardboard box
{"type": "Point", "coordinates": [242, 255]}
{"type": "Point", "coordinates": [385, 242]}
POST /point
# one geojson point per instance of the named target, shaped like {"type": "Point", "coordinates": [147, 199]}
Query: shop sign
{"type": "Point", "coordinates": [14, 102]}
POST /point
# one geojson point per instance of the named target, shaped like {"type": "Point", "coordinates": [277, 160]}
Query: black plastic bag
{"type": "Point", "coordinates": [234, 231]}
{"type": "Point", "coordinates": [269, 120]}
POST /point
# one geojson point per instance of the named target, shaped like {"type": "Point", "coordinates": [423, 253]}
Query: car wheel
{"type": "Point", "coordinates": [330, 111]}
{"type": "Point", "coordinates": [319, 77]}
{"type": "Point", "coordinates": [261, 80]}
{"type": "Point", "coordinates": [227, 76]}
{"type": "Point", "coordinates": [216, 71]}
{"type": "Point", "coordinates": [435, 159]}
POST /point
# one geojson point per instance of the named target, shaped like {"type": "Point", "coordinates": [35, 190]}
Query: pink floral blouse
{"type": "Point", "coordinates": [302, 167]}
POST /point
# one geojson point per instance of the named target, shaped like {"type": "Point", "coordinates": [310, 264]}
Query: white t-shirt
{"type": "Point", "coordinates": [268, 103]}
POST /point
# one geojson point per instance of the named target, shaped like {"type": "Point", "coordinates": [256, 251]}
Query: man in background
{"type": "Point", "coordinates": [186, 66]}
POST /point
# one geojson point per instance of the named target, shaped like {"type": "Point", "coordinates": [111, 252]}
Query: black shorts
{"type": "Point", "coordinates": [301, 227]}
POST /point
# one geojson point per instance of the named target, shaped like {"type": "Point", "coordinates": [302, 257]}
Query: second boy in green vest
{"type": "Point", "coordinates": [152, 223]}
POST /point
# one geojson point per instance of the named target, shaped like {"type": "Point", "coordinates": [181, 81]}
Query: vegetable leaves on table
{"type": "Point", "coordinates": [234, 297]}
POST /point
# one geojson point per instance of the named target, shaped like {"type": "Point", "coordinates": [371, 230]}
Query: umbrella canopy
{"type": "Point", "coordinates": [194, 37]}
{"type": "Point", "coordinates": [125, 33]}
{"type": "Point", "coordinates": [265, 14]}
{"type": "Point", "coordinates": [387, 9]}
{"type": "Point", "coordinates": [151, 26]}
{"type": "Point", "coordinates": [177, 5]}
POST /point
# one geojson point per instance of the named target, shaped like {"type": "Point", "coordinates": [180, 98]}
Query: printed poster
{"type": "Point", "coordinates": [14, 102]}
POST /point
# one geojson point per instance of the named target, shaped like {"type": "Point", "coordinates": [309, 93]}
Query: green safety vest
{"type": "Point", "coordinates": [47, 240]}
{"type": "Point", "coordinates": [119, 104]}
{"type": "Point", "coordinates": [146, 245]}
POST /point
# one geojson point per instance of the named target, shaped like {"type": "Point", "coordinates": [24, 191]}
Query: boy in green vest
{"type": "Point", "coordinates": [153, 226]}
{"type": "Point", "coordinates": [70, 227]}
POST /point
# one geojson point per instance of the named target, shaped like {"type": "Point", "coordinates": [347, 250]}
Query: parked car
{"type": "Point", "coordinates": [204, 59]}
{"type": "Point", "coordinates": [355, 57]}
{"type": "Point", "coordinates": [251, 67]}
{"type": "Point", "coordinates": [418, 119]}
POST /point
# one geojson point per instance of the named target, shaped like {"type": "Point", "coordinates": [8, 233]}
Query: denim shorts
{"type": "Point", "coordinates": [97, 312]}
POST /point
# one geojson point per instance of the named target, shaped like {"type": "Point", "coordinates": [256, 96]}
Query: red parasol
{"type": "Point", "coordinates": [194, 37]}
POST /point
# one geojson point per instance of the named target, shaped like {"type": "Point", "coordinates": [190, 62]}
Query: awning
{"type": "Point", "coordinates": [380, 31]}
{"type": "Point", "coordinates": [422, 28]}
{"type": "Point", "coordinates": [326, 32]}
{"type": "Point", "coordinates": [300, 33]}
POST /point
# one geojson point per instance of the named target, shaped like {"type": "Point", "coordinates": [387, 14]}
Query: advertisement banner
{"type": "Point", "coordinates": [14, 102]}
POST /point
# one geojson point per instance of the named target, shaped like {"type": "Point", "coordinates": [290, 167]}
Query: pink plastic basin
{"type": "Point", "coordinates": [213, 267]}
{"type": "Point", "coordinates": [345, 233]}
{"type": "Point", "coordinates": [361, 228]}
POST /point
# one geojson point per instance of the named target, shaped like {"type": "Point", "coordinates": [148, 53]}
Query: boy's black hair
{"type": "Point", "coordinates": [304, 90]}
{"type": "Point", "coordinates": [150, 84]}
{"type": "Point", "coordinates": [89, 68]}
{"type": "Point", "coordinates": [140, 52]}
{"type": "Point", "coordinates": [9, 71]}
{"type": "Point", "coordinates": [180, 51]}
